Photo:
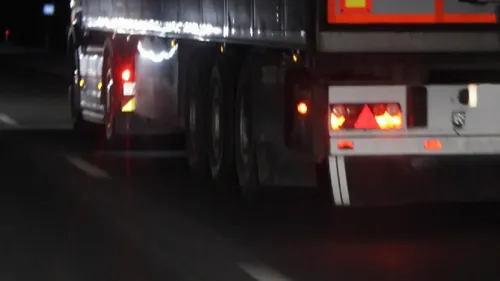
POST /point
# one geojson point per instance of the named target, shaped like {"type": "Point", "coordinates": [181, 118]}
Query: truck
{"type": "Point", "coordinates": [290, 92]}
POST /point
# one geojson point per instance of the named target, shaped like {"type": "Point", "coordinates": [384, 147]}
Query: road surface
{"type": "Point", "coordinates": [70, 212]}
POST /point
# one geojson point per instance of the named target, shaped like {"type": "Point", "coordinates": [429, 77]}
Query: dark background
{"type": "Point", "coordinates": [28, 27]}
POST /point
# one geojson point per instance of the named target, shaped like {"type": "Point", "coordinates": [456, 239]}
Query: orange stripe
{"type": "Point", "coordinates": [409, 18]}
{"type": "Point", "coordinates": [439, 10]}
{"type": "Point", "coordinates": [470, 18]}
{"type": "Point", "coordinates": [363, 16]}
{"type": "Point", "coordinates": [370, 18]}
{"type": "Point", "coordinates": [330, 12]}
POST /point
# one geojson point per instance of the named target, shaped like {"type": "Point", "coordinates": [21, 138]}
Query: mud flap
{"type": "Point", "coordinates": [280, 166]}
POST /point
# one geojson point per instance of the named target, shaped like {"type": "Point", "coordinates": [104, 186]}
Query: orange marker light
{"type": "Point", "coordinates": [345, 144]}
{"type": "Point", "coordinates": [432, 144]}
{"type": "Point", "coordinates": [302, 108]}
{"type": "Point", "coordinates": [387, 121]}
{"type": "Point", "coordinates": [336, 122]}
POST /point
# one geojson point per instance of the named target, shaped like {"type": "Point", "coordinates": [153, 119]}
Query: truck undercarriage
{"type": "Point", "coordinates": [289, 107]}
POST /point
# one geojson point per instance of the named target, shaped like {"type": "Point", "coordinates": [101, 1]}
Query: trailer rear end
{"type": "Point", "coordinates": [282, 93]}
{"type": "Point", "coordinates": [407, 26]}
{"type": "Point", "coordinates": [414, 82]}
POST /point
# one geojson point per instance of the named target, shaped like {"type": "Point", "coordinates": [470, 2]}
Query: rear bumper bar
{"type": "Point", "coordinates": [417, 146]}
{"type": "Point", "coordinates": [396, 181]}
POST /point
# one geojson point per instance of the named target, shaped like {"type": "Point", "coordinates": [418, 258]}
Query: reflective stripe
{"type": "Point", "coordinates": [407, 12]}
{"type": "Point", "coordinates": [338, 179]}
{"type": "Point", "coordinates": [412, 19]}
{"type": "Point", "coordinates": [342, 174]}
{"type": "Point", "coordinates": [334, 178]}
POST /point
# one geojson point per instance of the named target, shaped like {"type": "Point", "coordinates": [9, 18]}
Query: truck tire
{"type": "Point", "coordinates": [111, 139]}
{"type": "Point", "coordinates": [197, 117]}
{"type": "Point", "coordinates": [245, 154]}
{"type": "Point", "coordinates": [221, 132]}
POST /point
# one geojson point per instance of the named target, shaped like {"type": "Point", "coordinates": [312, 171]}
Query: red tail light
{"type": "Point", "coordinates": [366, 116]}
{"type": "Point", "coordinates": [126, 75]}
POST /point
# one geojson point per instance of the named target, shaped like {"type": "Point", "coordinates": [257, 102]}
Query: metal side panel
{"type": "Point", "coordinates": [387, 6]}
{"type": "Point", "coordinates": [90, 83]}
{"type": "Point", "coordinates": [149, 103]}
{"type": "Point", "coordinates": [426, 42]}
{"type": "Point", "coordinates": [457, 7]}
{"type": "Point", "coordinates": [406, 26]}
{"type": "Point", "coordinates": [238, 20]}
{"type": "Point", "coordinates": [481, 115]}
{"type": "Point", "coordinates": [156, 89]}
{"type": "Point", "coordinates": [408, 12]}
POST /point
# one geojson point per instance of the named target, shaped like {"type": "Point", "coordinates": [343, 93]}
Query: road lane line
{"type": "Point", "coordinates": [261, 272]}
{"type": "Point", "coordinates": [4, 118]}
{"type": "Point", "coordinates": [87, 168]}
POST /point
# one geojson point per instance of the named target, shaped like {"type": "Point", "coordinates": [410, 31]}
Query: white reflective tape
{"type": "Point", "coordinates": [334, 178]}
{"type": "Point", "coordinates": [157, 57]}
{"type": "Point", "coordinates": [342, 176]}
{"type": "Point", "coordinates": [129, 88]}
{"type": "Point", "coordinates": [472, 88]}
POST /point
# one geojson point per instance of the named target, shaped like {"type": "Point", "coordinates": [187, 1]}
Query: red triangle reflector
{"type": "Point", "coordinates": [366, 120]}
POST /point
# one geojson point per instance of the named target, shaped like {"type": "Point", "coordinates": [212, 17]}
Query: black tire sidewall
{"type": "Point", "coordinates": [196, 141]}
{"type": "Point", "coordinates": [246, 171]}
{"type": "Point", "coordinates": [223, 171]}
{"type": "Point", "coordinates": [107, 65]}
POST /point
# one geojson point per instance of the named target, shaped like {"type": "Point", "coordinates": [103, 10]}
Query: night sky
{"type": "Point", "coordinates": [29, 27]}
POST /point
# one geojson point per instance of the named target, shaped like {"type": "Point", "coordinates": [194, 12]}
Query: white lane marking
{"type": "Point", "coordinates": [4, 118]}
{"type": "Point", "coordinates": [261, 272]}
{"type": "Point", "coordinates": [87, 168]}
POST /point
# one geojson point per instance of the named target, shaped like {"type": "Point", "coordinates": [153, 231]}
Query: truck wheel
{"type": "Point", "coordinates": [107, 93]}
{"type": "Point", "coordinates": [245, 155]}
{"type": "Point", "coordinates": [197, 119]}
{"type": "Point", "coordinates": [221, 133]}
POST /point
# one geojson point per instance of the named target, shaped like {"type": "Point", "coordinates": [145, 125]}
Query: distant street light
{"type": "Point", "coordinates": [48, 11]}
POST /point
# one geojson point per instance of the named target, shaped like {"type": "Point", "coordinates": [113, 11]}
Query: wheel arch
{"type": "Point", "coordinates": [278, 163]}
{"type": "Point", "coordinates": [191, 56]}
